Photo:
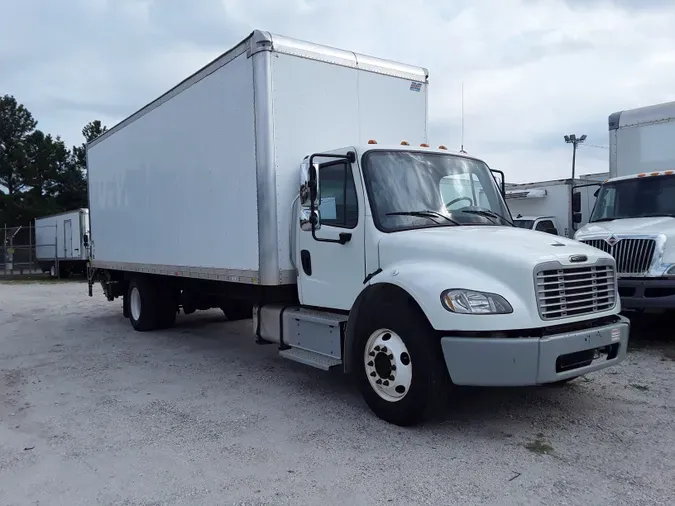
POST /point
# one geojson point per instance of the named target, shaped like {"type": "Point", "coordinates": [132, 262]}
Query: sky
{"type": "Point", "coordinates": [532, 70]}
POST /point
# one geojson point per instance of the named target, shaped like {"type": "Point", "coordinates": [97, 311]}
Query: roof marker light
{"type": "Point", "coordinates": [442, 147]}
{"type": "Point", "coordinates": [655, 174]}
{"type": "Point", "coordinates": [424, 145]}
{"type": "Point", "coordinates": [642, 175]}
{"type": "Point", "coordinates": [669, 172]}
{"type": "Point", "coordinates": [372, 141]}
{"type": "Point", "coordinates": [405, 143]}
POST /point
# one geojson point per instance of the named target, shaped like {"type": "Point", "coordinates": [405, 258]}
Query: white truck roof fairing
{"type": "Point", "coordinates": [260, 40]}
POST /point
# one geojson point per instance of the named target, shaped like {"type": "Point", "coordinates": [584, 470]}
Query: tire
{"type": "Point", "coordinates": [167, 308]}
{"type": "Point", "coordinates": [143, 305]}
{"type": "Point", "coordinates": [416, 353]}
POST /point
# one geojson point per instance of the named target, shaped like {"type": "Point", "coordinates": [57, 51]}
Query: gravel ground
{"type": "Point", "coordinates": [94, 413]}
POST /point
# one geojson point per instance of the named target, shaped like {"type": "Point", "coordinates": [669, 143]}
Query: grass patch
{"type": "Point", "coordinates": [540, 446]}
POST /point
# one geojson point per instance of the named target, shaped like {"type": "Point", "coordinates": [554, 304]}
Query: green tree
{"type": "Point", "coordinates": [16, 125]}
{"type": "Point", "coordinates": [72, 182]}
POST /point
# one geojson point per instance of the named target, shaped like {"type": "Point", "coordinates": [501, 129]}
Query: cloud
{"type": "Point", "coordinates": [533, 70]}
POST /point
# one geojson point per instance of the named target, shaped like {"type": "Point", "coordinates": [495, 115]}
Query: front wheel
{"type": "Point", "coordinates": [142, 304]}
{"type": "Point", "coordinates": [400, 367]}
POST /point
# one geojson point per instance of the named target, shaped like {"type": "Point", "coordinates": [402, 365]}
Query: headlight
{"type": "Point", "coordinates": [462, 301]}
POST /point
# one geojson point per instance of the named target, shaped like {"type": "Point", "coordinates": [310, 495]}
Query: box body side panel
{"type": "Point", "coordinates": [177, 186]}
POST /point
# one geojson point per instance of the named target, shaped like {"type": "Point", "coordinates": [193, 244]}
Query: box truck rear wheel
{"type": "Point", "coordinates": [400, 370]}
{"type": "Point", "coordinates": [142, 304]}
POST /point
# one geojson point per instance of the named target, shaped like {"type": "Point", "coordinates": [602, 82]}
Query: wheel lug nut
{"type": "Point", "coordinates": [385, 383]}
{"type": "Point", "coordinates": [373, 374]}
{"type": "Point", "coordinates": [391, 378]}
{"type": "Point", "coordinates": [379, 382]}
{"type": "Point", "coordinates": [390, 356]}
{"type": "Point", "coordinates": [370, 364]}
{"type": "Point", "coordinates": [393, 367]}
{"type": "Point", "coordinates": [384, 349]}
{"type": "Point", "coordinates": [377, 348]}
{"type": "Point", "coordinates": [372, 354]}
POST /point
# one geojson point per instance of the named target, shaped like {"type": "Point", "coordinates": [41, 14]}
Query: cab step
{"type": "Point", "coordinates": [311, 358]}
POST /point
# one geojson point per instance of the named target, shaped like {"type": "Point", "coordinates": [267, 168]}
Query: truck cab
{"type": "Point", "coordinates": [408, 258]}
{"type": "Point", "coordinates": [634, 220]}
{"type": "Point", "coordinates": [548, 224]}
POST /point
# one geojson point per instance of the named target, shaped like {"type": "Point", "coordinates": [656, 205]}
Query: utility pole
{"type": "Point", "coordinates": [574, 141]}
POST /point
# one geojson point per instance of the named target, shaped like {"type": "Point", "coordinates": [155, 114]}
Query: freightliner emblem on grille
{"type": "Point", "coordinates": [578, 258]}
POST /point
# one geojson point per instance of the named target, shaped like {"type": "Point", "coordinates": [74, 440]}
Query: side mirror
{"type": "Point", "coordinates": [309, 218]}
{"type": "Point", "coordinates": [595, 193]}
{"type": "Point", "coordinates": [576, 202]}
{"type": "Point", "coordinates": [309, 185]}
{"type": "Point", "coordinates": [576, 217]}
{"type": "Point", "coordinates": [85, 240]}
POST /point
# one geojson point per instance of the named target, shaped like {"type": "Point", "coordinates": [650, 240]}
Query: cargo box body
{"type": "Point", "coordinates": [200, 182]}
{"type": "Point", "coordinates": [61, 236]}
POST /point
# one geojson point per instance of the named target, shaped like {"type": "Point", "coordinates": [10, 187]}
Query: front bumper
{"type": "Point", "coordinates": [475, 361]}
{"type": "Point", "coordinates": [647, 293]}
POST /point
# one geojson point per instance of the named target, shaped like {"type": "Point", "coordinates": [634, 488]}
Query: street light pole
{"type": "Point", "coordinates": [574, 141]}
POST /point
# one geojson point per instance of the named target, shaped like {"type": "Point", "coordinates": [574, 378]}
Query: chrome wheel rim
{"type": "Point", "coordinates": [388, 365]}
{"type": "Point", "coordinates": [135, 303]}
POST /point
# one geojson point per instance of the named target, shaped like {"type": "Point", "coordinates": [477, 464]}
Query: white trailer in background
{"type": "Point", "coordinates": [275, 183]}
{"type": "Point", "coordinates": [547, 205]}
{"type": "Point", "coordinates": [634, 217]}
{"type": "Point", "coordinates": [61, 242]}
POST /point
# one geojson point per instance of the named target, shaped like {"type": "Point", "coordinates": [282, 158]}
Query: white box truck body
{"type": "Point", "coordinates": [61, 242]}
{"type": "Point", "coordinates": [547, 205]}
{"type": "Point", "coordinates": [634, 216]}
{"type": "Point", "coordinates": [292, 183]}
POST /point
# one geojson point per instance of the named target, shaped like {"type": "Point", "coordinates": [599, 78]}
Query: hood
{"type": "Point", "coordinates": [644, 226]}
{"type": "Point", "coordinates": [486, 248]}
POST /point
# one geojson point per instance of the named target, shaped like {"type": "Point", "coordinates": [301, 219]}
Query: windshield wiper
{"type": "Point", "coordinates": [424, 214]}
{"type": "Point", "coordinates": [602, 219]}
{"type": "Point", "coordinates": [486, 212]}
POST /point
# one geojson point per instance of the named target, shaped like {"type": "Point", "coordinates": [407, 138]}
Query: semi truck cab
{"type": "Point", "coordinates": [634, 220]}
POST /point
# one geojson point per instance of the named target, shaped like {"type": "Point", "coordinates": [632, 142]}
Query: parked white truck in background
{"type": "Point", "coordinates": [634, 216]}
{"type": "Point", "coordinates": [61, 242]}
{"type": "Point", "coordinates": [547, 205]}
{"type": "Point", "coordinates": [393, 261]}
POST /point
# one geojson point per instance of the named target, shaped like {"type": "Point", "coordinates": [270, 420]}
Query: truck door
{"type": "Point", "coordinates": [330, 274]}
{"type": "Point", "coordinates": [67, 239]}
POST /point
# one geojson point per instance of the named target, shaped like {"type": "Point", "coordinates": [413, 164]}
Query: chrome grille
{"type": "Point", "coordinates": [571, 291]}
{"type": "Point", "coordinates": [633, 256]}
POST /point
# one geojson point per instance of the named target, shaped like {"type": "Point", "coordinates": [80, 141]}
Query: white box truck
{"type": "Point", "coordinates": [547, 205]}
{"type": "Point", "coordinates": [634, 216]}
{"type": "Point", "coordinates": [61, 242]}
{"type": "Point", "coordinates": [291, 182]}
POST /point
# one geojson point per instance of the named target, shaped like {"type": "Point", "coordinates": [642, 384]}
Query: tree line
{"type": "Point", "coordinates": [39, 175]}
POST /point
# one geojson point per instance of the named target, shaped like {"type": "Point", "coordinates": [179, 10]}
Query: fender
{"type": "Point", "coordinates": [424, 282]}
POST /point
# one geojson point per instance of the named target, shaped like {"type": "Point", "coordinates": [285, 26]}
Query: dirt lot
{"type": "Point", "coordinates": [94, 413]}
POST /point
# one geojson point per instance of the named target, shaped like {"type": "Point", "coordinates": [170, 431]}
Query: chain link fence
{"type": "Point", "coordinates": [19, 253]}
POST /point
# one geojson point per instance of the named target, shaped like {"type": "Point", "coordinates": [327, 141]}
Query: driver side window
{"type": "Point", "coordinates": [338, 206]}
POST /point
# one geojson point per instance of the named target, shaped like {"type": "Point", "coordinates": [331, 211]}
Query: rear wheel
{"type": "Point", "coordinates": [399, 365]}
{"type": "Point", "coordinates": [143, 302]}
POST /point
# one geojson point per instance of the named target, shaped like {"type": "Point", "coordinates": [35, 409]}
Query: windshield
{"type": "Point", "coordinates": [415, 190]}
{"type": "Point", "coordinates": [635, 198]}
